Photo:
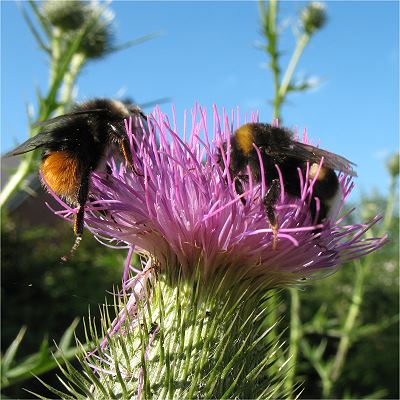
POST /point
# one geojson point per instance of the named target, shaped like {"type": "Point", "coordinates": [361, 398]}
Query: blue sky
{"type": "Point", "coordinates": [207, 53]}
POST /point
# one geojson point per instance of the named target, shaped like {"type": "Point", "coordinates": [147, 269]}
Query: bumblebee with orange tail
{"type": "Point", "coordinates": [76, 144]}
{"type": "Point", "coordinates": [277, 147]}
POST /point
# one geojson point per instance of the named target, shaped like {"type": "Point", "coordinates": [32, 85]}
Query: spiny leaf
{"type": "Point", "coordinates": [10, 353]}
{"type": "Point", "coordinates": [65, 341]}
{"type": "Point", "coordinates": [33, 30]}
{"type": "Point", "coordinates": [134, 42]}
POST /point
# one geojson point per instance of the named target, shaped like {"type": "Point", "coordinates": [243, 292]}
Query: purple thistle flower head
{"type": "Point", "coordinates": [183, 210]}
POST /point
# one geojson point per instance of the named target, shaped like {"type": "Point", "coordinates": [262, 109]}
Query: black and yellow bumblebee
{"type": "Point", "coordinates": [76, 144]}
{"type": "Point", "coordinates": [277, 147]}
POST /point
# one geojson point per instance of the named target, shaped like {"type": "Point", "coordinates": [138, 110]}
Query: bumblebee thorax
{"type": "Point", "coordinates": [244, 139]}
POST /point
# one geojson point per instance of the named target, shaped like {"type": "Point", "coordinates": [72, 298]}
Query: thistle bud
{"type": "Point", "coordinates": [393, 165]}
{"type": "Point", "coordinates": [97, 41]}
{"type": "Point", "coordinates": [68, 15]}
{"type": "Point", "coordinates": [313, 17]}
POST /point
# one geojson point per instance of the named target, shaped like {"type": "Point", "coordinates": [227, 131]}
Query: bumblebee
{"type": "Point", "coordinates": [76, 144]}
{"type": "Point", "coordinates": [277, 147]}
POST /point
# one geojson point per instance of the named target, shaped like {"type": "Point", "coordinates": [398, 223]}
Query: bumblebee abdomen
{"type": "Point", "coordinates": [61, 173]}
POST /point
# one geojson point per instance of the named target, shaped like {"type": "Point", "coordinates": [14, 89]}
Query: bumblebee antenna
{"type": "Point", "coordinates": [79, 218]}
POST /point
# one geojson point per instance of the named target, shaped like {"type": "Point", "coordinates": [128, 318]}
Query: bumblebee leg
{"type": "Point", "coordinates": [128, 161]}
{"type": "Point", "coordinates": [79, 218]}
{"type": "Point", "coordinates": [239, 188]}
{"type": "Point", "coordinates": [269, 202]}
{"type": "Point", "coordinates": [238, 179]}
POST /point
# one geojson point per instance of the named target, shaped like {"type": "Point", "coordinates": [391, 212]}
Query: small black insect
{"type": "Point", "coordinates": [278, 148]}
{"type": "Point", "coordinates": [76, 144]}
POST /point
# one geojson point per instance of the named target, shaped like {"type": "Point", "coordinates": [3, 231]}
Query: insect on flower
{"type": "Point", "coordinates": [76, 144]}
{"type": "Point", "coordinates": [281, 157]}
{"type": "Point", "coordinates": [184, 215]}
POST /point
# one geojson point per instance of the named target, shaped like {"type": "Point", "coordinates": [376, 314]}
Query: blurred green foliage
{"type": "Point", "coordinates": [371, 368]}
{"type": "Point", "coordinates": [39, 292]}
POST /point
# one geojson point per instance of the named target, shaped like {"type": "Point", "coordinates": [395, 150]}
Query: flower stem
{"type": "Point", "coordinates": [23, 170]}
{"type": "Point", "coordinates": [77, 61]}
{"type": "Point", "coordinates": [272, 48]}
{"type": "Point", "coordinates": [301, 44]}
{"type": "Point", "coordinates": [295, 337]}
{"type": "Point", "coordinates": [55, 54]}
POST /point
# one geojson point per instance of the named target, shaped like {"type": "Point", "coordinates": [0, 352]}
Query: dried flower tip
{"type": "Point", "coordinates": [313, 17]}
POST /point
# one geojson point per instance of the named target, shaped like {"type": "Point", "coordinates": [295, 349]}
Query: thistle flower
{"type": "Point", "coordinates": [183, 210]}
{"type": "Point", "coordinates": [196, 329]}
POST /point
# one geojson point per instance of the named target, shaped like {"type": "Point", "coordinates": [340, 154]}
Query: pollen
{"type": "Point", "coordinates": [244, 139]}
{"type": "Point", "coordinates": [314, 171]}
{"type": "Point", "coordinates": [61, 173]}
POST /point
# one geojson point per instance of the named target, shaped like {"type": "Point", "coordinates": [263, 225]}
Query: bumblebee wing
{"type": "Point", "coordinates": [31, 144]}
{"type": "Point", "coordinates": [313, 154]}
{"type": "Point", "coordinates": [66, 116]}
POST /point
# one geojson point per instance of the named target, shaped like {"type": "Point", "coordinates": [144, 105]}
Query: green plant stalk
{"type": "Point", "coordinates": [273, 51]}
{"type": "Point", "coordinates": [295, 337]}
{"type": "Point", "coordinates": [77, 62]}
{"type": "Point", "coordinates": [55, 54]}
{"type": "Point", "coordinates": [300, 46]}
{"type": "Point", "coordinates": [362, 269]}
{"type": "Point", "coordinates": [327, 384]}
{"type": "Point", "coordinates": [23, 170]}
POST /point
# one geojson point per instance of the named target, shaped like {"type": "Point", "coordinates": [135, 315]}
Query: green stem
{"type": "Point", "coordinates": [77, 62]}
{"type": "Point", "coordinates": [295, 336]}
{"type": "Point", "coordinates": [301, 44]}
{"type": "Point", "coordinates": [272, 49]}
{"type": "Point", "coordinates": [55, 54]}
{"type": "Point", "coordinates": [354, 310]}
{"type": "Point", "coordinates": [23, 170]}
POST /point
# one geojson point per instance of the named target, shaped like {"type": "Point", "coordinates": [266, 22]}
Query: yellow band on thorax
{"type": "Point", "coordinates": [244, 139]}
